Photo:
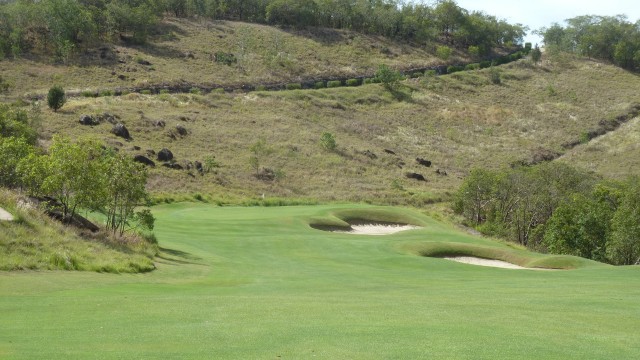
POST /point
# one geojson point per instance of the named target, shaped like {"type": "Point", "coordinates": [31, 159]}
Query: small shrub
{"type": "Point", "coordinates": [319, 85]}
{"type": "Point", "coordinates": [494, 76]}
{"type": "Point", "coordinates": [56, 98]}
{"type": "Point", "coordinates": [106, 93]}
{"type": "Point", "coordinates": [88, 93]}
{"type": "Point", "coordinates": [225, 58]}
{"type": "Point", "coordinates": [443, 52]}
{"type": "Point", "coordinates": [164, 91]}
{"type": "Point", "coordinates": [328, 141]}
{"type": "Point", "coordinates": [334, 83]}
{"type": "Point", "coordinates": [389, 78]}
{"type": "Point", "coordinates": [353, 82]}
{"type": "Point", "coordinates": [551, 91]}
{"type": "Point", "coordinates": [294, 86]}
{"type": "Point", "coordinates": [430, 73]}
{"type": "Point", "coordinates": [145, 92]}
{"type": "Point", "coordinates": [454, 68]}
{"type": "Point", "coordinates": [485, 64]}
{"type": "Point", "coordinates": [194, 90]}
{"type": "Point", "coordinates": [475, 66]}
{"type": "Point", "coordinates": [218, 91]}
{"type": "Point", "coordinates": [367, 81]}
{"type": "Point", "coordinates": [261, 88]}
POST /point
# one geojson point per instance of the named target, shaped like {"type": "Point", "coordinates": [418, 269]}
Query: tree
{"type": "Point", "coordinates": [56, 98]}
{"type": "Point", "coordinates": [623, 247]}
{"type": "Point", "coordinates": [536, 54]}
{"type": "Point", "coordinates": [12, 151]}
{"type": "Point", "coordinates": [579, 227]}
{"type": "Point", "coordinates": [259, 152]}
{"type": "Point", "coordinates": [74, 176]}
{"type": "Point", "coordinates": [125, 191]}
{"type": "Point", "coordinates": [389, 78]}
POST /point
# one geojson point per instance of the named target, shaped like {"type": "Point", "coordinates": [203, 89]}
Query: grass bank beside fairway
{"type": "Point", "coordinates": [36, 242]}
{"type": "Point", "coordinates": [260, 283]}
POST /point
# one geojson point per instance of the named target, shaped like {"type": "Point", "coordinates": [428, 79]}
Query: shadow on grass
{"type": "Point", "coordinates": [171, 256]}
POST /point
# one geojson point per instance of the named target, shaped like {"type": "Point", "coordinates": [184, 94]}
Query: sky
{"type": "Point", "coordinates": [542, 13]}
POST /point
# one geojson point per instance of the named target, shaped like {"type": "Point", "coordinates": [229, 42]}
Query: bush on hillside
{"type": "Point", "coordinates": [56, 98]}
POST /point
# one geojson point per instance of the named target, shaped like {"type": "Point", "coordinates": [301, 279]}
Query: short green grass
{"type": "Point", "coordinates": [259, 283]}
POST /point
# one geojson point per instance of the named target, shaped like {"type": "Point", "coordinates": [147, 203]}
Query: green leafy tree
{"type": "Point", "coordinates": [260, 151]}
{"type": "Point", "coordinates": [579, 227]}
{"type": "Point", "coordinates": [443, 52]}
{"type": "Point", "coordinates": [623, 247]}
{"type": "Point", "coordinates": [125, 192]}
{"type": "Point", "coordinates": [16, 123]}
{"type": "Point", "coordinates": [74, 176]}
{"type": "Point", "coordinates": [56, 98]}
{"type": "Point", "coordinates": [12, 151]}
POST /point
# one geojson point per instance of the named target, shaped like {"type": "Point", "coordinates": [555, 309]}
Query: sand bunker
{"type": "Point", "coordinates": [376, 229]}
{"type": "Point", "coordinates": [486, 262]}
{"type": "Point", "coordinates": [5, 216]}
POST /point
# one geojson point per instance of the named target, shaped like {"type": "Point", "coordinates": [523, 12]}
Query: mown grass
{"type": "Point", "coordinates": [35, 242]}
{"type": "Point", "coordinates": [260, 283]}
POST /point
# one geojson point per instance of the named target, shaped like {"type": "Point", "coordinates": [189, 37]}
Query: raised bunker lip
{"type": "Point", "coordinates": [367, 227]}
{"type": "Point", "coordinates": [478, 261]}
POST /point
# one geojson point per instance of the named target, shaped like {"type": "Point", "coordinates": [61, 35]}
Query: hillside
{"type": "Point", "coordinates": [456, 121]}
{"type": "Point", "coordinates": [184, 51]}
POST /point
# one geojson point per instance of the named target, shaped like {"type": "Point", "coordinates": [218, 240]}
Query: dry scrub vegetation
{"type": "Point", "coordinates": [457, 121]}
{"type": "Point", "coordinates": [184, 51]}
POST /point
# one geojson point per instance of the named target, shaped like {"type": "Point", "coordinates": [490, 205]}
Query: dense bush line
{"type": "Point", "coordinates": [610, 38]}
{"type": "Point", "coordinates": [62, 26]}
{"type": "Point", "coordinates": [556, 208]}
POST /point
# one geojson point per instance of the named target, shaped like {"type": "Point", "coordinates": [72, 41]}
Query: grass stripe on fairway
{"type": "Point", "coordinates": [260, 283]}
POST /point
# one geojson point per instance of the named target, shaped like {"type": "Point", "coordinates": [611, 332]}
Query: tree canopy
{"type": "Point", "coordinates": [62, 26]}
{"type": "Point", "coordinates": [609, 38]}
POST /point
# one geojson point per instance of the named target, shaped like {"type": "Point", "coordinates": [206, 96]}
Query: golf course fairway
{"type": "Point", "coordinates": [261, 283]}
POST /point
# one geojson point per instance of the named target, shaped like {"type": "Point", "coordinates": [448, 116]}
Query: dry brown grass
{"type": "Point", "coordinates": [458, 122]}
{"type": "Point", "coordinates": [265, 54]}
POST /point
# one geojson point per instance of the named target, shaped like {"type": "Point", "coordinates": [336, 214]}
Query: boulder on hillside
{"type": "Point", "coordinates": [174, 166]}
{"type": "Point", "coordinates": [412, 175]}
{"type": "Point", "coordinates": [120, 130]}
{"type": "Point", "coordinates": [144, 160]}
{"type": "Point", "coordinates": [181, 130]}
{"type": "Point", "coordinates": [89, 120]}
{"type": "Point", "coordinates": [165, 155]}
{"type": "Point", "coordinates": [423, 162]}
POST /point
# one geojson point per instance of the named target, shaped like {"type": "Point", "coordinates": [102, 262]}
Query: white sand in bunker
{"type": "Point", "coordinates": [5, 216]}
{"type": "Point", "coordinates": [486, 262]}
{"type": "Point", "coordinates": [376, 229]}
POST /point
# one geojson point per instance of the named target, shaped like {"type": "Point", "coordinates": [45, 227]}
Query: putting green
{"type": "Point", "coordinates": [260, 283]}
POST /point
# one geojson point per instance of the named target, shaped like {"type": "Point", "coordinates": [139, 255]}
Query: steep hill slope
{"type": "Point", "coordinates": [457, 122]}
{"type": "Point", "coordinates": [185, 51]}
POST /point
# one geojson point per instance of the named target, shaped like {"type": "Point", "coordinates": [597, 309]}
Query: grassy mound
{"type": "Point", "coordinates": [510, 255]}
{"type": "Point", "coordinates": [344, 218]}
{"type": "Point", "coordinates": [35, 242]}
